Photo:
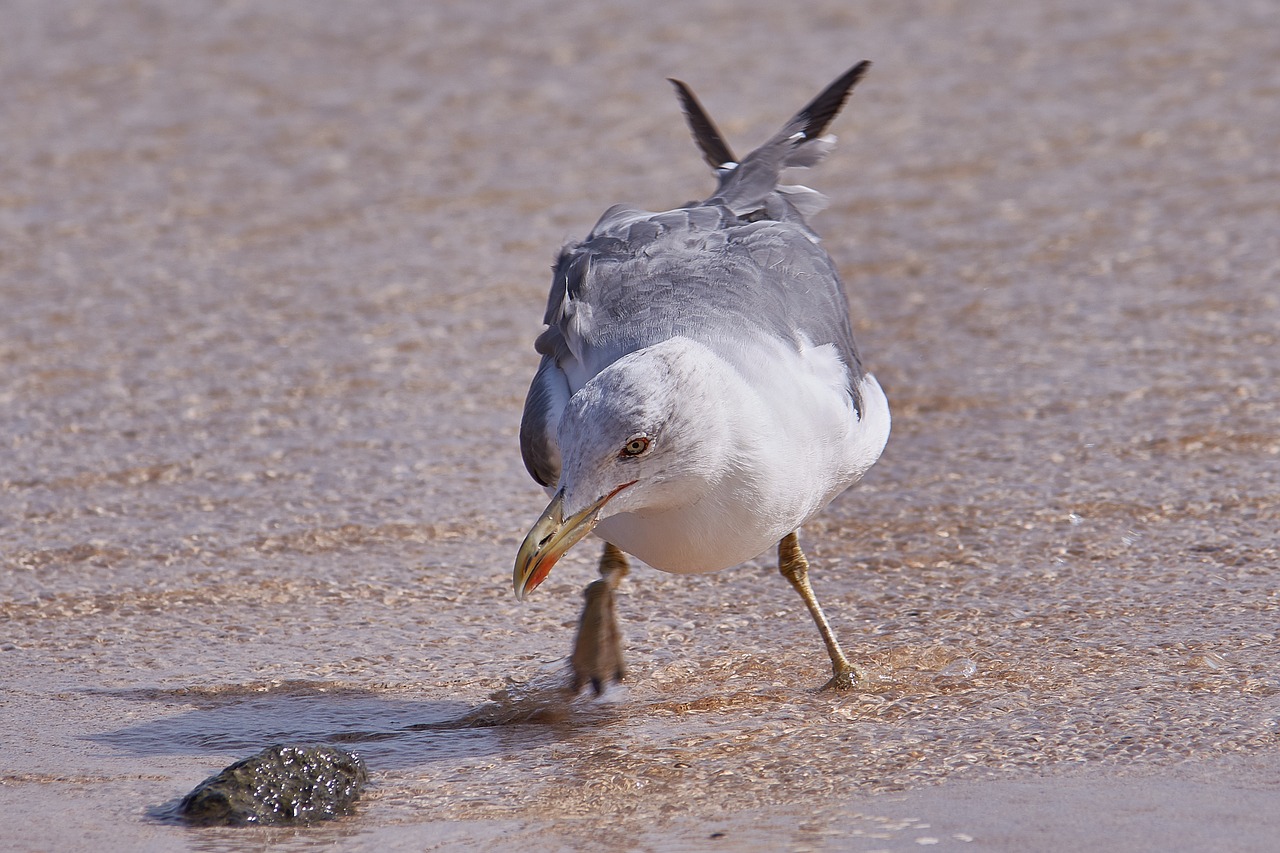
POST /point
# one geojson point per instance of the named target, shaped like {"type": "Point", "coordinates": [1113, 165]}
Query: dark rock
{"type": "Point", "coordinates": [280, 785]}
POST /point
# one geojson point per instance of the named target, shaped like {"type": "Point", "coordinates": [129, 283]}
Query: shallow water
{"type": "Point", "coordinates": [270, 280]}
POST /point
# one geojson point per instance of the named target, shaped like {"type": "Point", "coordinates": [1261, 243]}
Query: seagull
{"type": "Point", "coordinates": [700, 395]}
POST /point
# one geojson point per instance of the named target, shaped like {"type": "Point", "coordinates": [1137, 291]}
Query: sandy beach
{"type": "Point", "coordinates": [271, 276]}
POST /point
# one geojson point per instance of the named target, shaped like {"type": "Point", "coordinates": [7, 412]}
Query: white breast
{"type": "Point", "coordinates": [797, 444]}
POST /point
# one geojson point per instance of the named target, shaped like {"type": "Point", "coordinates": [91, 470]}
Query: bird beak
{"type": "Point", "coordinates": [550, 537]}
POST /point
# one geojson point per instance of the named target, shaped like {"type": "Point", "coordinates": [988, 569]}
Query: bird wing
{"type": "Point", "coordinates": [548, 394]}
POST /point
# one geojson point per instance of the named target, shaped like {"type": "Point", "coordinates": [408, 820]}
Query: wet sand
{"type": "Point", "coordinates": [270, 280]}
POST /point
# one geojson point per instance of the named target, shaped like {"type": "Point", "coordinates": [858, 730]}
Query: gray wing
{"type": "Point", "coordinates": [548, 394]}
{"type": "Point", "coordinates": [550, 390]}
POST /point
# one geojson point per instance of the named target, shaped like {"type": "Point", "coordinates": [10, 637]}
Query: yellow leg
{"type": "Point", "coordinates": [795, 568]}
{"type": "Point", "coordinates": [597, 649]}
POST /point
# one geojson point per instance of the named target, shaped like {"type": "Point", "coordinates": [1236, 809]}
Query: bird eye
{"type": "Point", "coordinates": [637, 445]}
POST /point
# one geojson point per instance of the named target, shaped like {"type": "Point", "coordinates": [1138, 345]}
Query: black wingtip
{"type": "Point", "coordinates": [708, 137]}
{"type": "Point", "coordinates": [822, 109]}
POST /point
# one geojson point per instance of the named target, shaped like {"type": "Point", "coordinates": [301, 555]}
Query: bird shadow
{"type": "Point", "coordinates": [389, 732]}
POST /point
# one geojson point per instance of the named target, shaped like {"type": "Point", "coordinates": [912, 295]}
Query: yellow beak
{"type": "Point", "coordinates": [550, 537]}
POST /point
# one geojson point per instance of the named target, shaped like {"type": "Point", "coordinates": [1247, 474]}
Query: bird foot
{"type": "Point", "coordinates": [597, 650]}
{"type": "Point", "coordinates": [845, 679]}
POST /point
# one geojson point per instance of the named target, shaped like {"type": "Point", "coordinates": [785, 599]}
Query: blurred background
{"type": "Point", "coordinates": [269, 281]}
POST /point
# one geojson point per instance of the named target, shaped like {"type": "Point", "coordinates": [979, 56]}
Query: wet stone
{"type": "Point", "coordinates": [280, 785]}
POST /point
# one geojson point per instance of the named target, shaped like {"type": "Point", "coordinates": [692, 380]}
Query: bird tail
{"type": "Point", "coordinates": [749, 185]}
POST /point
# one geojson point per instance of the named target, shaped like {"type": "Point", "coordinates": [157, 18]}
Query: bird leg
{"type": "Point", "coordinates": [795, 568]}
{"type": "Point", "coordinates": [597, 650]}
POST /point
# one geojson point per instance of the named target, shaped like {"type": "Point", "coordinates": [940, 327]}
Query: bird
{"type": "Point", "coordinates": [700, 396]}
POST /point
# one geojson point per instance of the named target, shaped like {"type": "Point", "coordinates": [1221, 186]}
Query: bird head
{"type": "Point", "coordinates": [639, 437]}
